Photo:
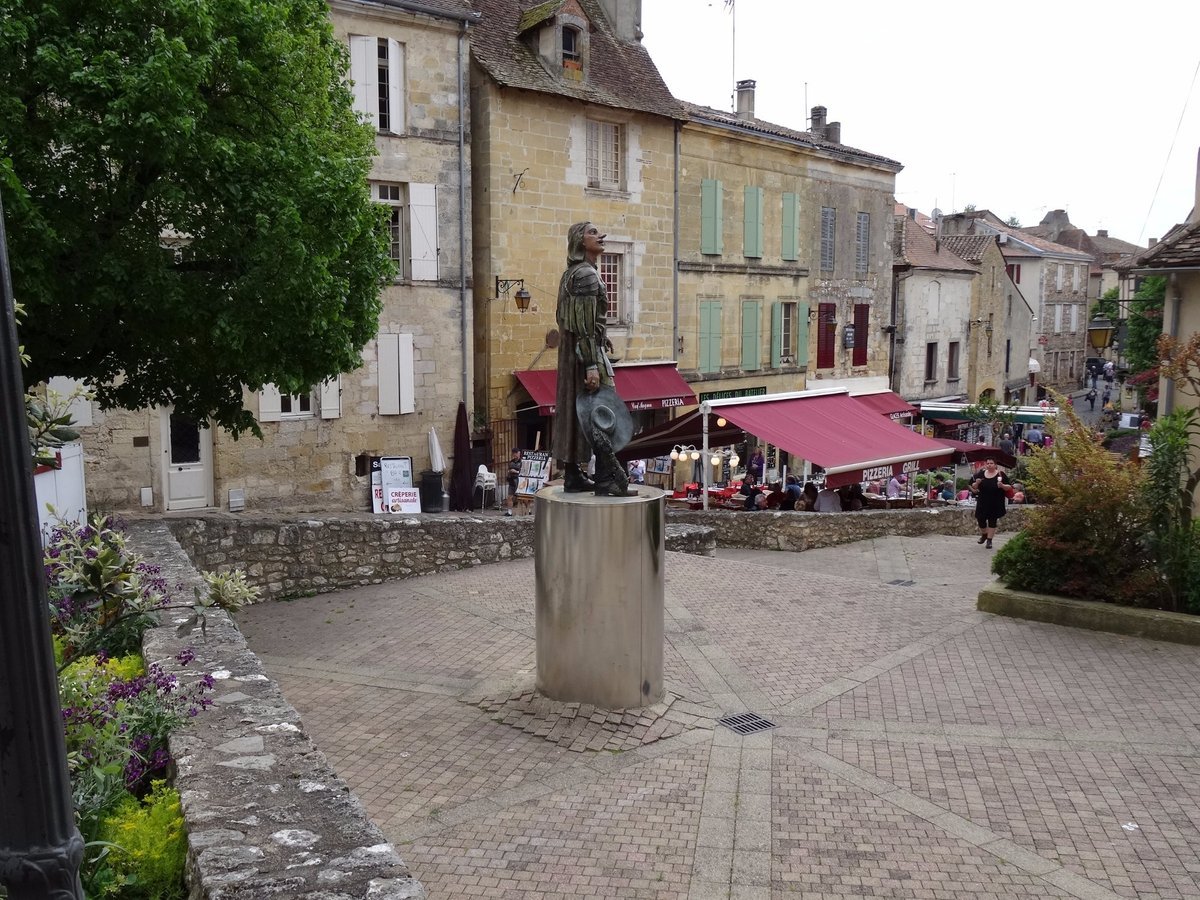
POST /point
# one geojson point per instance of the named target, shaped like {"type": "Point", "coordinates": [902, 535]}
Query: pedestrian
{"type": "Point", "coordinates": [637, 471]}
{"type": "Point", "coordinates": [992, 489]}
{"type": "Point", "coordinates": [756, 465]}
{"type": "Point", "coordinates": [514, 475]}
{"type": "Point", "coordinates": [1006, 444]}
{"type": "Point", "coordinates": [1033, 436]}
{"type": "Point", "coordinates": [1091, 397]}
{"type": "Point", "coordinates": [1106, 398]}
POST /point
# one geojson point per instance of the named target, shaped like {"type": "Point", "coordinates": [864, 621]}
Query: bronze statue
{"type": "Point", "coordinates": [583, 369]}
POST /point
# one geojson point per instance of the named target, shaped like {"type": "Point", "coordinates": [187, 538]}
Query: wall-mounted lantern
{"type": "Point", "coordinates": [522, 296]}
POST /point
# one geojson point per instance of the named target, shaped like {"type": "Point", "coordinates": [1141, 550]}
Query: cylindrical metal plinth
{"type": "Point", "coordinates": [599, 564]}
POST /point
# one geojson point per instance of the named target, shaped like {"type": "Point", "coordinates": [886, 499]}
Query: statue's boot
{"type": "Point", "coordinates": [614, 489]}
{"type": "Point", "coordinates": [574, 481]}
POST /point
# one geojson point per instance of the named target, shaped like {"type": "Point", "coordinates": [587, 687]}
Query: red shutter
{"type": "Point", "coordinates": [826, 329]}
{"type": "Point", "coordinates": [862, 316]}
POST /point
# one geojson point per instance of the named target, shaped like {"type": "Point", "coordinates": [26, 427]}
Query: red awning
{"type": "Point", "coordinates": [842, 436]}
{"type": "Point", "coordinates": [687, 429]}
{"type": "Point", "coordinates": [640, 385]}
{"type": "Point", "coordinates": [888, 404]}
{"type": "Point", "coordinates": [978, 452]}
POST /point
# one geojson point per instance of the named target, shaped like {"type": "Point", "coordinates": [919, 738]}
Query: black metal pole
{"type": "Point", "coordinates": [40, 847]}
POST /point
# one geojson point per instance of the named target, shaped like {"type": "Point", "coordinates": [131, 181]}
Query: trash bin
{"type": "Point", "coordinates": [431, 491]}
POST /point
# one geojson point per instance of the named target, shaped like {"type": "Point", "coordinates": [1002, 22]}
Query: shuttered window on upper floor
{"type": "Point", "coordinates": [828, 235]}
{"type": "Point", "coordinates": [789, 246]}
{"type": "Point", "coordinates": [710, 217]}
{"type": "Point", "coordinates": [752, 225]}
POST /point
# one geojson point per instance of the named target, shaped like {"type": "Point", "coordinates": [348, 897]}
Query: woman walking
{"type": "Point", "coordinates": [991, 488]}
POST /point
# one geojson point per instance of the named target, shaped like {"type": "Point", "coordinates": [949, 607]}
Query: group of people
{"type": "Point", "coordinates": [791, 497]}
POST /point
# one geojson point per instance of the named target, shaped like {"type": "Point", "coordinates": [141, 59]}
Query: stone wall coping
{"type": "Point", "coordinates": [1132, 621]}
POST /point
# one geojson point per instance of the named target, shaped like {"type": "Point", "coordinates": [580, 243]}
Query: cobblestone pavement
{"type": "Point", "coordinates": [923, 749]}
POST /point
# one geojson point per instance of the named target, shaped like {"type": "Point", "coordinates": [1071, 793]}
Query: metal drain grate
{"type": "Point", "coordinates": [746, 723]}
{"type": "Point", "coordinates": [900, 582]}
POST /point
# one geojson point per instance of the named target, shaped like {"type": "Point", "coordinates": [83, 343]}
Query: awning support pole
{"type": "Point", "coordinates": [704, 453]}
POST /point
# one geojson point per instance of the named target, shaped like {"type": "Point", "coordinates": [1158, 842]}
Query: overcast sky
{"type": "Point", "coordinates": [1018, 108]}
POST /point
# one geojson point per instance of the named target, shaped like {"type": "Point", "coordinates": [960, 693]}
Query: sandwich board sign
{"type": "Point", "coordinates": [392, 489]}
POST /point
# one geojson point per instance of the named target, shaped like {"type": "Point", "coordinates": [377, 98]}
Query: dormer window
{"type": "Point", "coordinates": [570, 45]}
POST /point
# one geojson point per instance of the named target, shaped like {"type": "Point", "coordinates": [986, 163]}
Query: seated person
{"type": "Point", "coordinates": [752, 493]}
{"type": "Point", "coordinates": [853, 498]}
{"type": "Point", "coordinates": [828, 500]}
{"type": "Point", "coordinates": [895, 486]}
{"type": "Point", "coordinates": [791, 493]}
{"type": "Point", "coordinates": [964, 495]}
{"type": "Point", "coordinates": [808, 498]}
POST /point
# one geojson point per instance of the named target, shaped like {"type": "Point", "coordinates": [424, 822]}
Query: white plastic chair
{"type": "Point", "coordinates": [485, 481]}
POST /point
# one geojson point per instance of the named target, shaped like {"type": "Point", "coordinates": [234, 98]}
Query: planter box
{"type": "Point", "coordinates": [1132, 621]}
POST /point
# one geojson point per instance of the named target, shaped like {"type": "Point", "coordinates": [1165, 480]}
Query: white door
{"type": "Point", "coordinates": [187, 458]}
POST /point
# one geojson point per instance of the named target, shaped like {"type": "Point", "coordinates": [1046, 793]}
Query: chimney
{"type": "Point", "coordinates": [1103, 232]}
{"type": "Point", "coordinates": [625, 16]}
{"type": "Point", "coordinates": [817, 125]}
{"type": "Point", "coordinates": [833, 132]}
{"type": "Point", "coordinates": [912, 213]}
{"type": "Point", "coordinates": [1153, 241]}
{"type": "Point", "coordinates": [745, 98]}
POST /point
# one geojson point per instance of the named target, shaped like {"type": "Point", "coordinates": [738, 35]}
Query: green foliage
{"type": "Point", "coordinates": [186, 191]}
{"type": "Point", "coordinates": [229, 590]}
{"type": "Point", "coordinates": [1086, 535]}
{"type": "Point", "coordinates": [1024, 565]}
{"type": "Point", "coordinates": [1108, 305]}
{"type": "Point", "coordinates": [1145, 325]}
{"type": "Point", "coordinates": [1171, 538]}
{"type": "Point", "coordinates": [989, 411]}
{"type": "Point", "coordinates": [144, 850]}
{"type": "Point", "coordinates": [1013, 221]}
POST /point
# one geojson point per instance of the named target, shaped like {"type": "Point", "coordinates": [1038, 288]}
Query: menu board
{"type": "Point", "coordinates": [535, 472]}
{"type": "Point", "coordinates": [392, 488]}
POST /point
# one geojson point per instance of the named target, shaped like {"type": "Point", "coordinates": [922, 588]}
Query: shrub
{"type": "Point", "coordinates": [143, 851]}
{"type": "Point", "coordinates": [1171, 538]}
{"type": "Point", "coordinates": [1025, 566]}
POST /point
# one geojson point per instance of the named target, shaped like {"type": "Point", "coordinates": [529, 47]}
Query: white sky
{"type": "Point", "coordinates": [1018, 108]}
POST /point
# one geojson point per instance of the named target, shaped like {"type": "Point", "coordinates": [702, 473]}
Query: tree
{"type": "Point", "coordinates": [1108, 305]}
{"type": "Point", "coordinates": [187, 200]}
{"type": "Point", "coordinates": [1145, 325]}
{"type": "Point", "coordinates": [1013, 221]}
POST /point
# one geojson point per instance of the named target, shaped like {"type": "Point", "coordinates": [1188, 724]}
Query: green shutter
{"type": "Point", "coordinates": [753, 223]}
{"type": "Point", "coordinates": [710, 336]}
{"type": "Point", "coordinates": [790, 247]}
{"type": "Point", "coordinates": [710, 216]}
{"type": "Point", "coordinates": [751, 336]}
{"type": "Point", "coordinates": [776, 334]}
{"type": "Point", "coordinates": [802, 334]}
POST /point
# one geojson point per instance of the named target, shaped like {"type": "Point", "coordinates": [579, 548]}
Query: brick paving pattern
{"type": "Point", "coordinates": [924, 749]}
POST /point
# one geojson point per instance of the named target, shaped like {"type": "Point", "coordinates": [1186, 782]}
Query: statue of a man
{"type": "Point", "coordinates": [583, 365]}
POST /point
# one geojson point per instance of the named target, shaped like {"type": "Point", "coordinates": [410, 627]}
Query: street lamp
{"type": "Point", "coordinates": [1100, 332]}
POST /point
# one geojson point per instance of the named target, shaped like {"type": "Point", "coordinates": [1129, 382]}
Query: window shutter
{"type": "Point", "coordinates": [752, 223]}
{"type": "Point", "coordinates": [422, 214]}
{"type": "Point", "coordinates": [751, 336]}
{"type": "Point", "coordinates": [802, 334]}
{"type": "Point", "coordinates": [1074, 319]}
{"type": "Point", "coordinates": [862, 245]}
{"type": "Point", "coordinates": [269, 409]}
{"type": "Point", "coordinates": [776, 335]}
{"type": "Point", "coordinates": [710, 216]}
{"type": "Point", "coordinates": [396, 104]}
{"type": "Point", "coordinates": [710, 336]}
{"type": "Point", "coordinates": [396, 374]}
{"type": "Point", "coordinates": [862, 318]}
{"type": "Point", "coordinates": [1058, 317]}
{"type": "Point", "coordinates": [363, 56]}
{"type": "Point", "coordinates": [331, 398]}
{"type": "Point", "coordinates": [790, 244]}
{"type": "Point", "coordinates": [826, 331]}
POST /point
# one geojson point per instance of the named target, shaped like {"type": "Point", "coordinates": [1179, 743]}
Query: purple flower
{"type": "Point", "coordinates": [185, 656]}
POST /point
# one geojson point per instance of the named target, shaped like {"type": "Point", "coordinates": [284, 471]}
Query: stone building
{"type": "Point", "coordinates": [409, 70]}
{"type": "Point", "coordinates": [572, 122]}
{"type": "Point", "coordinates": [1107, 252]}
{"type": "Point", "coordinates": [1054, 279]}
{"type": "Point", "coordinates": [1001, 323]}
{"type": "Point", "coordinates": [933, 316]}
{"type": "Point", "coordinates": [784, 257]}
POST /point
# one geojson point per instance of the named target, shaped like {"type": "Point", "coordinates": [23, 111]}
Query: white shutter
{"type": "Point", "coordinates": [422, 217]}
{"type": "Point", "coordinates": [80, 408]}
{"type": "Point", "coordinates": [1075, 319]}
{"type": "Point", "coordinates": [269, 409]}
{"type": "Point", "coordinates": [331, 397]}
{"type": "Point", "coordinates": [396, 104]}
{"type": "Point", "coordinates": [1058, 317]}
{"type": "Point", "coordinates": [396, 374]}
{"type": "Point", "coordinates": [363, 64]}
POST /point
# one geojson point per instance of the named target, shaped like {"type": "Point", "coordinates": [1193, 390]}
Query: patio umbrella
{"type": "Point", "coordinates": [462, 479]}
{"type": "Point", "coordinates": [437, 461]}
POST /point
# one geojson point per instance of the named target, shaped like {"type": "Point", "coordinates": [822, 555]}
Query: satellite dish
{"type": "Point", "coordinates": [937, 213]}
{"type": "Point", "coordinates": [552, 338]}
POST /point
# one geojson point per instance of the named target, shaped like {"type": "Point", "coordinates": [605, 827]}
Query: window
{"type": "Point", "coordinates": [752, 223]}
{"type": "Point", "coordinates": [612, 273]}
{"type": "Point", "coordinates": [570, 45]}
{"type": "Point", "coordinates": [783, 334]}
{"type": "Point", "coordinates": [710, 335]}
{"type": "Point", "coordinates": [952, 361]}
{"type": "Point", "coordinates": [1058, 276]}
{"type": "Point", "coordinates": [275, 407]}
{"type": "Point", "coordinates": [789, 248]}
{"type": "Point", "coordinates": [605, 149]}
{"type": "Point", "coordinates": [1074, 319]}
{"type": "Point", "coordinates": [1075, 277]}
{"type": "Point", "coordinates": [412, 228]}
{"type": "Point", "coordinates": [862, 318]}
{"type": "Point", "coordinates": [751, 335]}
{"type": "Point", "coordinates": [931, 350]}
{"type": "Point", "coordinates": [1014, 272]}
{"type": "Point", "coordinates": [396, 373]}
{"type": "Point", "coordinates": [1058, 318]}
{"type": "Point", "coordinates": [826, 331]}
{"type": "Point", "coordinates": [828, 230]}
{"type": "Point", "coordinates": [710, 216]}
{"type": "Point", "coordinates": [377, 76]}
{"type": "Point", "coordinates": [862, 245]}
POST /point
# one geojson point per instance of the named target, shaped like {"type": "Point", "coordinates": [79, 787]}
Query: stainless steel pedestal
{"type": "Point", "coordinates": [599, 564]}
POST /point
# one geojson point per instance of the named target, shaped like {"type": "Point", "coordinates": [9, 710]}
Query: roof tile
{"type": "Point", "coordinates": [918, 248]}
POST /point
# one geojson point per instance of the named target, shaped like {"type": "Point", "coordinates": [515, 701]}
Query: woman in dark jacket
{"type": "Point", "coordinates": [991, 488]}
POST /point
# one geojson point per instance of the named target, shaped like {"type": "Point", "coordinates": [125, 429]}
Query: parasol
{"type": "Point", "coordinates": [437, 461]}
{"type": "Point", "coordinates": [462, 479]}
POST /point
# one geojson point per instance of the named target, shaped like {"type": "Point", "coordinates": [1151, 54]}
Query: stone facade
{"type": "Point", "coordinates": [306, 460]}
{"type": "Point", "coordinates": [751, 275]}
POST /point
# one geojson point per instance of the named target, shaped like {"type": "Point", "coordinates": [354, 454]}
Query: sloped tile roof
{"type": "Point", "coordinates": [916, 247]}
{"type": "Point", "coordinates": [537, 14]}
{"type": "Point", "coordinates": [970, 247]}
{"type": "Point", "coordinates": [697, 112]}
{"type": "Point", "coordinates": [455, 8]}
{"type": "Point", "coordinates": [620, 74]}
{"type": "Point", "coordinates": [923, 220]}
{"type": "Point", "coordinates": [1180, 248]}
